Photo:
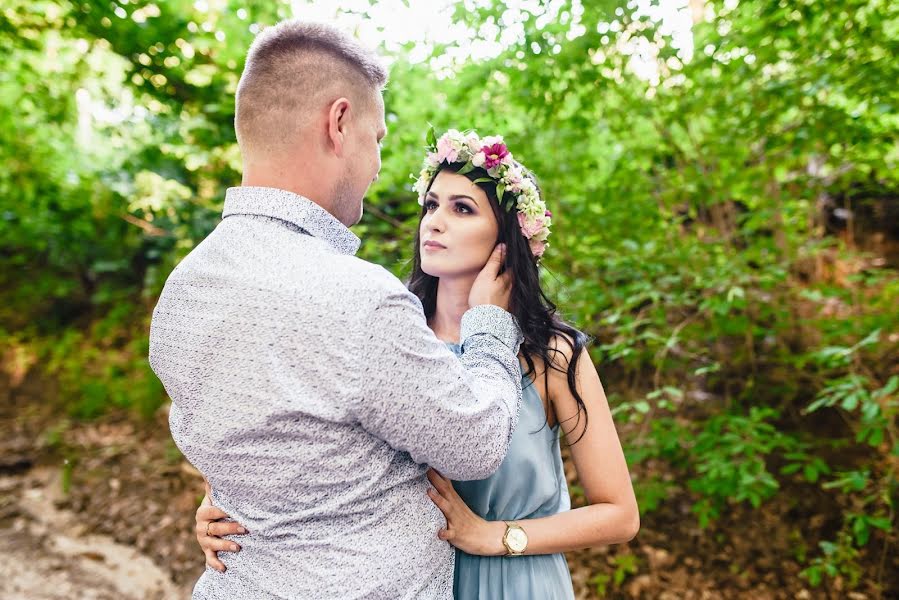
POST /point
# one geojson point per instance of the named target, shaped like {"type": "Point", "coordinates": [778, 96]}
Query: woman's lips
{"type": "Point", "coordinates": [432, 245]}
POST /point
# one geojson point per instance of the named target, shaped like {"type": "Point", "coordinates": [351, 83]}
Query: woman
{"type": "Point", "coordinates": [511, 529]}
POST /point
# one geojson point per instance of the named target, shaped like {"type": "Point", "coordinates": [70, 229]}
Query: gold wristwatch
{"type": "Point", "coordinates": [515, 539]}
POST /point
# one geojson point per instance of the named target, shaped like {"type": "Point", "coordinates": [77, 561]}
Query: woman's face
{"type": "Point", "coordinates": [459, 230]}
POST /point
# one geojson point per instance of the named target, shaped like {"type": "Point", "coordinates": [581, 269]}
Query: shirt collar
{"type": "Point", "coordinates": [292, 208]}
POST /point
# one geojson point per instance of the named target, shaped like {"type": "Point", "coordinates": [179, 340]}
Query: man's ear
{"type": "Point", "coordinates": [338, 121]}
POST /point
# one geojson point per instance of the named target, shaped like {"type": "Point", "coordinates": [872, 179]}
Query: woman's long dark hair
{"type": "Point", "coordinates": [534, 311]}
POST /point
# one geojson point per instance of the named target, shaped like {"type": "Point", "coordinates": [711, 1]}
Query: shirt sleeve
{"type": "Point", "coordinates": [455, 415]}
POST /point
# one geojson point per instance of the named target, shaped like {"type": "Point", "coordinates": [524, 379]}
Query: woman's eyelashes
{"type": "Point", "coordinates": [460, 207]}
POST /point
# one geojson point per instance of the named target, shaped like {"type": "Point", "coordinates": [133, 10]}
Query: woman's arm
{"type": "Point", "coordinates": [612, 516]}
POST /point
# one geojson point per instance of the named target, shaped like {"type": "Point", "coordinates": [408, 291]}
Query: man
{"type": "Point", "coordinates": [305, 383]}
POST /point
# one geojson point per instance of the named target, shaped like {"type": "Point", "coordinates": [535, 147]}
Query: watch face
{"type": "Point", "coordinates": [517, 540]}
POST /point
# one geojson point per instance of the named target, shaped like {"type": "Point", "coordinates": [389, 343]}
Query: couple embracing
{"type": "Point", "coordinates": [362, 438]}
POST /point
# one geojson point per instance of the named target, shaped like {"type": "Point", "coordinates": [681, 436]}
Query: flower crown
{"type": "Point", "coordinates": [491, 154]}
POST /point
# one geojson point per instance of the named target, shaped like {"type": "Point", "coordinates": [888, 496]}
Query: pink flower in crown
{"type": "Point", "coordinates": [537, 247]}
{"type": "Point", "coordinates": [530, 227]}
{"type": "Point", "coordinates": [548, 214]}
{"type": "Point", "coordinates": [494, 154]}
{"type": "Point", "coordinates": [446, 151]}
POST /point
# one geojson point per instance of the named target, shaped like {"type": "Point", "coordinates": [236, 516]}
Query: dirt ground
{"type": "Point", "coordinates": [49, 553]}
{"type": "Point", "coordinates": [104, 509]}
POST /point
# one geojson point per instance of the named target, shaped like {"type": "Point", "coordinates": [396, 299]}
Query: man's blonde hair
{"type": "Point", "coordinates": [295, 69]}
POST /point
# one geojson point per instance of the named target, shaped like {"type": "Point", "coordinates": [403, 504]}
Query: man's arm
{"type": "Point", "coordinates": [454, 415]}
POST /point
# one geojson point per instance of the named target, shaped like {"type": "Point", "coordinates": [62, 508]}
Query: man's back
{"type": "Point", "coordinates": [261, 337]}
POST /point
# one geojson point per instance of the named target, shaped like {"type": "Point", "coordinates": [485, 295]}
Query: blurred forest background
{"type": "Point", "coordinates": [725, 183]}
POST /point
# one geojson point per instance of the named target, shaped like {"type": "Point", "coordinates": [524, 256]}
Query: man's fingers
{"type": "Point", "coordinates": [495, 261]}
{"type": "Point", "coordinates": [497, 257]}
{"type": "Point", "coordinates": [486, 288]}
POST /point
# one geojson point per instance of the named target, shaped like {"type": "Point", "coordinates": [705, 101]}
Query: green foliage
{"type": "Point", "coordinates": [652, 493]}
{"type": "Point", "coordinates": [104, 367]}
{"type": "Point", "coordinates": [600, 581]}
{"type": "Point", "coordinates": [749, 351]}
{"type": "Point", "coordinates": [730, 464]}
{"type": "Point", "coordinates": [837, 558]}
{"type": "Point", "coordinates": [625, 565]}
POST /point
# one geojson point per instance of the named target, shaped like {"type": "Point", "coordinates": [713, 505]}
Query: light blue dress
{"type": "Point", "coordinates": [530, 483]}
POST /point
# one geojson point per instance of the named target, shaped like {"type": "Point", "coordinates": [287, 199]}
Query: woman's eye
{"type": "Point", "coordinates": [430, 205]}
{"type": "Point", "coordinates": [463, 208]}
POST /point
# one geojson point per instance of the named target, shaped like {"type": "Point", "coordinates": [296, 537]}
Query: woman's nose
{"type": "Point", "coordinates": [436, 221]}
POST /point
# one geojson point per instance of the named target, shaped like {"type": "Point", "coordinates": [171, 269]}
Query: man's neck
{"type": "Point", "coordinates": [289, 180]}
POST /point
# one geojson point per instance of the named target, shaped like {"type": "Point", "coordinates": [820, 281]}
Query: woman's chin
{"type": "Point", "coordinates": [440, 272]}
{"type": "Point", "coordinates": [434, 268]}
{"type": "Point", "coordinates": [431, 270]}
